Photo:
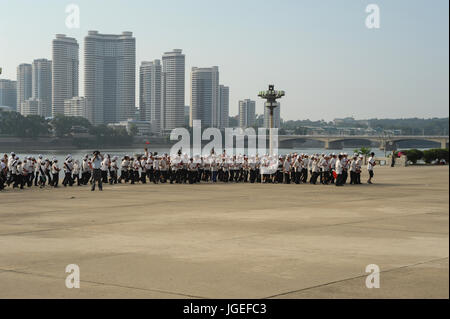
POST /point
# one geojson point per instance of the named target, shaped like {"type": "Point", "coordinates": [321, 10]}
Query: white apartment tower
{"type": "Point", "coordinates": [224, 105]}
{"type": "Point", "coordinates": [42, 84]}
{"type": "Point", "coordinates": [205, 97]}
{"type": "Point", "coordinates": [109, 76]}
{"type": "Point", "coordinates": [150, 94]}
{"type": "Point", "coordinates": [276, 116]}
{"type": "Point", "coordinates": [24, 84]}
{"type": "Point", "coordinates": [172, 90]}
{"type": "Point", "coordinates": [247, 116]}
{"type": "Point", "coordinates": [64, 71]}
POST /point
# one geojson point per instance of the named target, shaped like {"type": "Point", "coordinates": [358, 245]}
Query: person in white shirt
{"type": "Point", "coordinates": [304, 171]}
{"type": "Point", "coordinates": [68, 168]}
{"type": "Point", "coordinates": [55, 173]}
{"type": "Point", "coordinates": [315, 170]}
{"type": "Point", "coordinates": [124, 174]}
{"type": "Point", "coordinates": [370, 165]}
{"type": "Point", "coordinates": [96, 166]}
{"type": "Point", "coordinates": [192, 171]}
{"type": "Point", "coordinates": [332, 167]}
{"type": "Point", "coordinates": [105, 168]}
{"type": "Point", "coordinates": [339, 171]}
{"type": "Point", "coordinates": [156, 170]}
{"type": "Point", "coordinates": [15, 176]}
{"type": "Point", "coordinates": [37, 170]}
{"type": "Point", "coordinates": [76, 172]}
{"type": "Point", "coordinates": [114, 168]}
{"type": "Point", "coordinates": [287, 170]}
{"type": "Point", "coordinates": [353, 169]}
{"type": "Point", "coordinates": [85, 170]}
{"type": "Point", "coordinates": [358, 169]}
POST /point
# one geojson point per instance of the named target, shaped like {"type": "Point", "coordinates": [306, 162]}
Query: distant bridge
{"type": "Point", "coordinates": [329, 140]}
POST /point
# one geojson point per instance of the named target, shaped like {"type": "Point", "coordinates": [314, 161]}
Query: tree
{"type": "Point", "coordinates": [63, 125]}
{"type": "Point", "coordinates": [133, 130]}
{"type": "Point", "coordinates": [435, 154]}
{"type": "Point", "coordinates": [363, 150]}
{"type": "Point", "coordinates": [413, 155]}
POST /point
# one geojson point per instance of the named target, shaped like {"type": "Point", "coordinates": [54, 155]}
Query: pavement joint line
{"type": "Point", "coordinates": [352, 278]}
{"type": "Point", "coordinates": [104, 284]}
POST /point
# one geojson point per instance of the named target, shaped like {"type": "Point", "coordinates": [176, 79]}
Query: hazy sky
{"type": "Point", "coordinates": [319, 52]}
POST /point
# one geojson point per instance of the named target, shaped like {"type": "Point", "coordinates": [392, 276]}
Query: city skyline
{"type": "Point", "coordinates": [331, 67]}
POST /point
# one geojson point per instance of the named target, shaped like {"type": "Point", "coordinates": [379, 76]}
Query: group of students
{"type": "Point", "coordinates": [179, 168]}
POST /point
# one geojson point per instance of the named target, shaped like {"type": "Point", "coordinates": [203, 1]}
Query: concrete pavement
{"type": "Point", "coordinates": [230, 240]}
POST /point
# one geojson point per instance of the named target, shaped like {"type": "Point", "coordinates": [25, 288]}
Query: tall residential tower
{"type": "Point", "coordinates": [247, 116]}
{"type": "Point", "coordinates": [64, 72]}
{"type": "Point", "coordinates": [110, 76]}
{"type": "Point", "coordinates": [205, 96]}
{"type": "Point", "coordinates": [150, 94]}
{"type": "Point", "coordinates": [42, 84]}
{"type": "Point", "coordinates": [24, 84]}
{"type": "Point", "coordinates": [8, 93]}
{"type": "Point", "coordinates": [224, 106]}
{"type": "Point", "coordinates": [172, 90]}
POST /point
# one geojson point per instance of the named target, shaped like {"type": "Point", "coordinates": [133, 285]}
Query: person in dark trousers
{"type": "Point", "coordinates": [339, 170]}
{"type": "Point", "coordinates": [96, 164]}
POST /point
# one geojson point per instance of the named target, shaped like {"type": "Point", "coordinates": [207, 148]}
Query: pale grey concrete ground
{"type": "Point", "coordinates": [230, 241]}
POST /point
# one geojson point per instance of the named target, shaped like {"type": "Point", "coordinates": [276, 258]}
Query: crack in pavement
{"type": "Point", "coordinates": [351, 278]}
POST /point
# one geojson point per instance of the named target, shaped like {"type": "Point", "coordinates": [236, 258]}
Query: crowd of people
{"type": "Point", "coordinates": [98, 169]}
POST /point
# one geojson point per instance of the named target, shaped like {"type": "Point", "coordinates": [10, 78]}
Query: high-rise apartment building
{"type": "Point", "coordinates": [65, 65]}
{"type": "Point", "coordinates": [172, 90]}
{"type": "Point", "coordinates": [42, 84]}
{"type": "Point", "coordinates": [24, 84]}
{"type": "Point", "coordinates": [205, 96]}
{"type": "Point", "coordinates": [110, 76]}
{"type": "Point", "coordinates": [224, 105]}
{"type": "Point", "coordinates": [247, 116]}
{"type": "Point", "coordinates": [150, 94]}
{"type": "Point", "coordinates": [8, 93]}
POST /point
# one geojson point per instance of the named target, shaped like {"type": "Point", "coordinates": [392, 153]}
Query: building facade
{"type": "Point", "coordinates": [77, 106]}
{"type": "Point", "coordinates": [276, 117]}
{"type": "Point", "coordinates": [42, 84]}
{"type": "Point", "coordinates": [110, 76]}
{"type": "Point", "coordinates": [24, 84]}
{"type": "Point", "coordinates": [247, 115]}
{"type": "Point", "coordinates": [31, 106]}
{"type": "Point", "coordinates": [172, 90]}
{"type": "Point", "coordinates": [150, 94]}
{"type": "Point", "coordinates": [8, 93]}
{"type": "Point", "coordinates": [205, 96]}
{"type": "Point", "coordinates": [224, 106]}
{"type": "Point", "coordinates": [65, 64]}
